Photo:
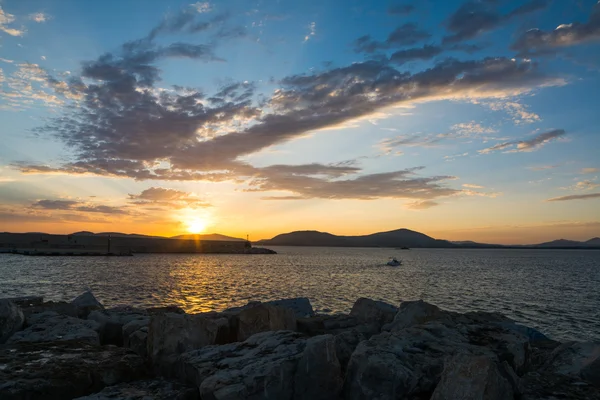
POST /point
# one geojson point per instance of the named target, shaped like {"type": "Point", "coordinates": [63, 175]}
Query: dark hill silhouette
{"type": "Point", "coordinates": [595, 242]}
{"type": "Point", "coordinates": [395, 238]}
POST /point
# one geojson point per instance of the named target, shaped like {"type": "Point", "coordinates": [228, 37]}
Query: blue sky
{"type": "Point", "coordinates": [461, 119]}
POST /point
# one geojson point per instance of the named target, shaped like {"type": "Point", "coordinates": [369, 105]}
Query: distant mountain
{"type": "Point", "coordinates": [210, 236]}
{"type": "Point", "coordinates": [396, 238]}
{"type": "Point", "coordinates": [595, 242]}
{"type": "Point", "coordinates": [114, 234]}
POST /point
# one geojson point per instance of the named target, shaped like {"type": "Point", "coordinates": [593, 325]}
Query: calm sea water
{"type": "Point", "coordinates": [556, 291]}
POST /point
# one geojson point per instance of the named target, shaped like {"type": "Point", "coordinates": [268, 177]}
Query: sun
{"type": "Point", "coordinates": [196, 225]}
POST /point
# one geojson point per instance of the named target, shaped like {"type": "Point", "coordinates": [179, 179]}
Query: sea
{"type": "Point", "coordinates": [554, 291]}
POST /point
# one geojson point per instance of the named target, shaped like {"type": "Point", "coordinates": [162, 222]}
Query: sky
{"type": "Point", "coordinates": [465, 120]}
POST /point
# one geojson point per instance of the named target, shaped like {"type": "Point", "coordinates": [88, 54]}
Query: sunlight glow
{"type": "Point", "coordinates": [196, 225]}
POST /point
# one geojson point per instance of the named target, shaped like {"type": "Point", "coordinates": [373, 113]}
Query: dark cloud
{"type": "Point", "coordinates": [72, 205]}
{"type": "Point", "coordinates": [526, 145]}
{"type": "Point", "coordinates": [474, 18]}
{"type": "Point", "coordinates": [576, 197]}
{"type": "Point", "coordinates": [55, 204]}
{"type": "Point", "coordinates": [400, 9]}
{"type": "Point", "coordinates": [405, 35]}
{"type": "Point", "coordinates": [538, 42]}
{"type": "Point", "coordinates": [171, 198]}
{"type": "Point", "coordinates": [426, 52]}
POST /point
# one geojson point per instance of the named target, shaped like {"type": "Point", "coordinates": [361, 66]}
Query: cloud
{"type": "Point", "coordinates": [518, 112]}
{"type": "Point", "coordinates": [426, 52]}
{"type": "Point", "coordinates": [400, 9]}
{"type": "Point", "coordinates": [387, 146]}
{"type": "Point", "coordinates": [543, 167]}
{"type": "Point", "coordinates": [576, 197]}
{"type": "Point", "coordinates": [312, 31]}
{"type": "Point", "coordinates": [421, 205]}
{"type": "Point", "coordinates": [39, 17]}
{"type": "Point", "coordinates": [73, 205]}
{"type": "Point", "coordinates": [526, 145]}
{"type": "Point", "coordinates": [6, 60]}
{"type": "Point", "coordinates": [404, 35]}
{"type": "Point", "coordinates": [587, 184]}
{"type": "Point", "coordinates": [6, 19]}
{"type": "Point", "coordinates": [473, 18]}
{"type": "Point", "coordinates": [538, 42]}
{"type": "Point", "coordinates": [171, 198]}
{"type": "Point", "coordinates": [201, 7]}
{"type": "Point", "coordinates": [469, 129]}
{"type": "Point", "coordinates": [589, 170]}
{"type": "Point", "coordinates": [471, 186]}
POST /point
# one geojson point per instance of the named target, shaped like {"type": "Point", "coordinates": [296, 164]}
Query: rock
{"type": "Point", "coordinates": [86, 303]}
{"type": "Point", "coordinates": [259, 317]}
{"type": "Point", "coordinates": [259, 250]}
{"type": "Point", "coordinates": [414, 313]}
{"type": "Point", "coordinates": [169, 335]}
{"type": "Point", "coordinates": [164, 309]}
{"type": "Point", "coordinates": [27, 301]}
{"type": "Point", "coordinates": [269, 365]}
{"type": "Point", "coordinates": [11, 319]}
{"type": "Point", "coordinates": [112, 321]}
{"type": "Point", "coordinates": [59, 307]}
{"type": "Point", "coordinates": [345, 344]}
{"type": "Point", "coordinates": [408, 362]}
{"type": "Point", "coordinates": [367, 310]}
{"type": "Point", "coordinates": [469, 377]}
{"type": "Point", "coordinates": [133, 326]}
{"type": "Point", "coordinates": [318, 374]}
{"type": "Point", "coordinates": [301, 306]}
{"type": "Point", "coordinates": [581, 359]}
{"type": "Point", "coordinates": [64, 370]}
{"type": "Point", "coordinates": [158, 389]}
{"type": "Point", "coordinates": [50, 327]}
{"type": "Point", "coordinates": [531, 334]}
{"type": "Point", "coordinates": [138, 342]}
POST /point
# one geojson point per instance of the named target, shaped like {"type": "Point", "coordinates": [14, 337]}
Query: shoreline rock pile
{"type": "Point", "coordinates": [282, 350]}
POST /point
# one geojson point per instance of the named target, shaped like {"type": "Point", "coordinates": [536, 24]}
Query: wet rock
{"type": "Point", "coordinates": [301, 306]}
{"type": "Point", "coordinates": [269, 365]}
{"type": "Point", "coordinates": [158, 389]}
{"type": "Point", "coordinates": [169, 335]}
{"type": "Point", "coordinates": [165, 309]}
{"type": "Point", "coordinates": [112, 321]}
{"type": "Point", "coordinates": [468, 377]}
{"type": "Point", "coordinates": [417, 312]}
{"type": "Point", "coordinates": [367, 310]}
{"type": "Point", "coordinates": [64, 370]}
{"type": "Point", "coordinates": [50, 327]}
{"type": "Point", "coordinates": [259, 317]}
{"type": "Point", "coordinates": [11, 319]}
{"type": "Point", "coordinates": [86, 303]}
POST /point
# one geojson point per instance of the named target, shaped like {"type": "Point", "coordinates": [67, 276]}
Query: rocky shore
{"type": "Point", "coordinates": [282, 350]}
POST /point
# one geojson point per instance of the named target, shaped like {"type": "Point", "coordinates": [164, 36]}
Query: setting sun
{"type": "Point", "coordinates": [196, 225]}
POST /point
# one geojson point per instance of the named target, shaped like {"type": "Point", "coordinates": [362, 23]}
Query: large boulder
{"type": "Point", "coordinates": [59, 307]}
{"type": "Point", "coordinates": [414, 313]}
{"type": "Point", "coordinates": [135, 335]}
{"type": "Point", "coordinates": [169, 335]}
{"type": "Point", "coordinates": [269, 365]}
{"type": "Point", "coordinates": [409, 362]}
{"type": "Point", "coordinates": [86, 303]}
{"type": "Point", "coordinates": [11, 319]}
{"type": "Point", "coordinates": [113, 320]}
{"type": "Point", "coordinates": [469, 377]}
{"type": "Point", "coordinates": [367, 310]}
{"type": "Point", "coordinates": [50, 327]}
{"type": "Point", "coordinates": [580, 359]}
{"type": "Point", "coordinates": [156, 389]}
{"type": "Point", "coordinates": [259, 317]}
{"type": "Point", "coordinates": [64, 370]}
{"type": "Point", "coordinates": [27, 301]}
{"type": "Point", "coordinates": [301, 306]}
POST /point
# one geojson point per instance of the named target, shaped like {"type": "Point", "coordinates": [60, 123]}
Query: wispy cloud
{"type": "Point", "coordinates": [170, 198]}
{"type": "Point", "coordinates": [542, 167]}
{"type": "Point", "coordinates": [421, 205]}
{"type": "Point", "coordinates": [202, 7]}
{"type": "Point", "coordinates": [6, 60]}
{"type": "Point", "coordinates": [518, 112]}
{"type": "Point", "coordinates": [312, 31]}
{"type": "Point", "coordinates": [7, 19]}
{"type": "Point", "coordinates": [589, 170]}
{"type": "Point", "coordinates": [526, 145]}
{"type": "Point", "coordinates": [74, 205]}
{"type": "Point", "coordinates": [576, 197]}
{"type": "Point", "coordinates": [39, 17]}
{"type": "Point", "coordinates": [469, 185]}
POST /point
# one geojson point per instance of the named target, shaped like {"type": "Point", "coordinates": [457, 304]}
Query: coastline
{"type": "Point", "coordinates": [378, 350]}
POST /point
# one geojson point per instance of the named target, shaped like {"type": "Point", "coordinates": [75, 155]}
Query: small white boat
{"type": "Point", "coordinates": [393, 262]}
